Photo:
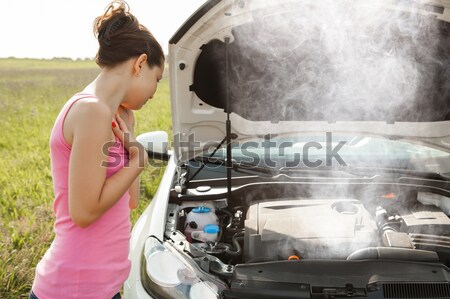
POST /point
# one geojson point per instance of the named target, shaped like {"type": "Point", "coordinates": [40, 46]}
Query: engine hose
{"type": "Point", "coordinates": [236, 239]}
{"type": "Point", "coordinates": [237, 235]}
{"type": "Point", "coordinates": [237, 246]}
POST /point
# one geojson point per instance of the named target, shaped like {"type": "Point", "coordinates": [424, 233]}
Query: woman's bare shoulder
{"type": "Point", "coordinates": [89, 108]}
{"type": "Point", "coordinates": [87, 112]}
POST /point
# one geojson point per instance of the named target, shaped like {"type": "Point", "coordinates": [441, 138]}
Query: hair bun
{"type": "Point", "coordinates": [121, 37]}
{"type": "Point", "coordinates": [105, 34]}
{"type": "Point", "coordinates": [115, 16]}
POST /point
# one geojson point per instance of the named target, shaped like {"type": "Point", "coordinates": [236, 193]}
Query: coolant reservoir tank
{"type": "Point", "coordinates": [198, 218]}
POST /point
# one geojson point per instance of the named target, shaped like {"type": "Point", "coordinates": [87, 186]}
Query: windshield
{"type": "Point", "coordinates": [330, 150]}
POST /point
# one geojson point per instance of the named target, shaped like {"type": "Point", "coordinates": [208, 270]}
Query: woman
{"type": "Point", "coordinates": [96, 163]}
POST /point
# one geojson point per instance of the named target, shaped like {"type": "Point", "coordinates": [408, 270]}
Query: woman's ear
{"type": "Point", "coordinates": [138, 64]}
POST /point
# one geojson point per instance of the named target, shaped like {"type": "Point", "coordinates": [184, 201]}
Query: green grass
{"type": "Point", "coordinates": [32, 93]}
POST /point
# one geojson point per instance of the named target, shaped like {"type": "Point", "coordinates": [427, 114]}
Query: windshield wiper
{"type": "Point", "coordinates": [368, 172]}
{"type": "Point", "coordinates": [241, 166]}
{"type": "Point", "coordinates": [422, 174]}
{"type": "Point", "coordinates": [372, 172]}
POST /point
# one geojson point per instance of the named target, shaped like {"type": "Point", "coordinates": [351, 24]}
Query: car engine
{"type": "Point", "coordinates": [317, 228]}
{"type": "Point", "coordinates": [314, 227]}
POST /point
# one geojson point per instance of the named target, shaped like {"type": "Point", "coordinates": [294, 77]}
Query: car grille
{"type": "Point", "coordinates": [430, 241]}
{"type": "Point", "coordinates": [416, 290]}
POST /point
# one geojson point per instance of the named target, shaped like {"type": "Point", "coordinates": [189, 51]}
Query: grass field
{"type": "Point", "coordinates": [32, 93]}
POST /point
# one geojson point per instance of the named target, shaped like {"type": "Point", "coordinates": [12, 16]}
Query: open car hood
{"type": "Point", "coordinates": [302, 67]}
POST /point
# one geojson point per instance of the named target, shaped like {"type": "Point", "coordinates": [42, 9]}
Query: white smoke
{"type": "Point", "coordinates": [346, 59]}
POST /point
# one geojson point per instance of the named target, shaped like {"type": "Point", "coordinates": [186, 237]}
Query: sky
{"type": "Point", "coordinates": [62, 28]}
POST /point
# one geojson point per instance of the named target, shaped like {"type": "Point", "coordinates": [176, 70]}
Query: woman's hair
{"type": "Point", "coordinates": [121, 37]}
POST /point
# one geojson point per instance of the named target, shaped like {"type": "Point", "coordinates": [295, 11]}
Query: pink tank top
{"type": "Point", "coordinates": [91, 262]}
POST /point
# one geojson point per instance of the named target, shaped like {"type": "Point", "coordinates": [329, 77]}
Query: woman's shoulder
{"type": "Point", "coordinates": [90, 108]}
{"type": "Point", "coordinates": [87, 114]}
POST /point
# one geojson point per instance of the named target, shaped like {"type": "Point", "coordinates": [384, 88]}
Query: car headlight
{"type": "Point", "coordinates": [166, 273]}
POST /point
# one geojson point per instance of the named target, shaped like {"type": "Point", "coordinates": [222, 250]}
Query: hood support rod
{"type": "Point", "coordinates": [229, 163]}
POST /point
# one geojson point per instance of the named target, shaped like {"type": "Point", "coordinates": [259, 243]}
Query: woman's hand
{"type": "Point", "coordinates": [134, 148]}
{"type": "Point", "coordinates": [128, 117]}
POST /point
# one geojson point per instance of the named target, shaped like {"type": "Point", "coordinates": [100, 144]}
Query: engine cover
{"type": "Point", "coordinates": [310, 228]}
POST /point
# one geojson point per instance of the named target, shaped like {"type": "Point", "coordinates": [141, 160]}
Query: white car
{"type": "Point", "coordinates": [311, 154]}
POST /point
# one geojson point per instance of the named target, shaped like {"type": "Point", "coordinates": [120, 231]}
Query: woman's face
{"type": "Point", "coordinates": [143, 87]}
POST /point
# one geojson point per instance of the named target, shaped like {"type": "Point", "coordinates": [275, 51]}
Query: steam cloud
{"type": "Point", "coordinates": [336, 60]}
{"type": "Point", "coordinates": [347, 60]}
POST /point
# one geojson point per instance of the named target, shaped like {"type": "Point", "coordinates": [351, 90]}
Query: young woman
{"type": "Point", "coordinates": [96, 163]}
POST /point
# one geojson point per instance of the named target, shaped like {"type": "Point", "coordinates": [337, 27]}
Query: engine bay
{"type": "Point", "coordinates": [283, 222]}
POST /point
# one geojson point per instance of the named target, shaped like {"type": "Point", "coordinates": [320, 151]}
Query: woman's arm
{"type": "Point", "coordinates": [134, 194]}
{"type": "Point", "coordinates": [90, 193]}
{"type": "Point", "coordinates": [127, 116]}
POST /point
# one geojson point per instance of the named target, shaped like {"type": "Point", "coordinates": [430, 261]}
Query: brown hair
{"type": "Point", "coordinates": [121, 37]}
